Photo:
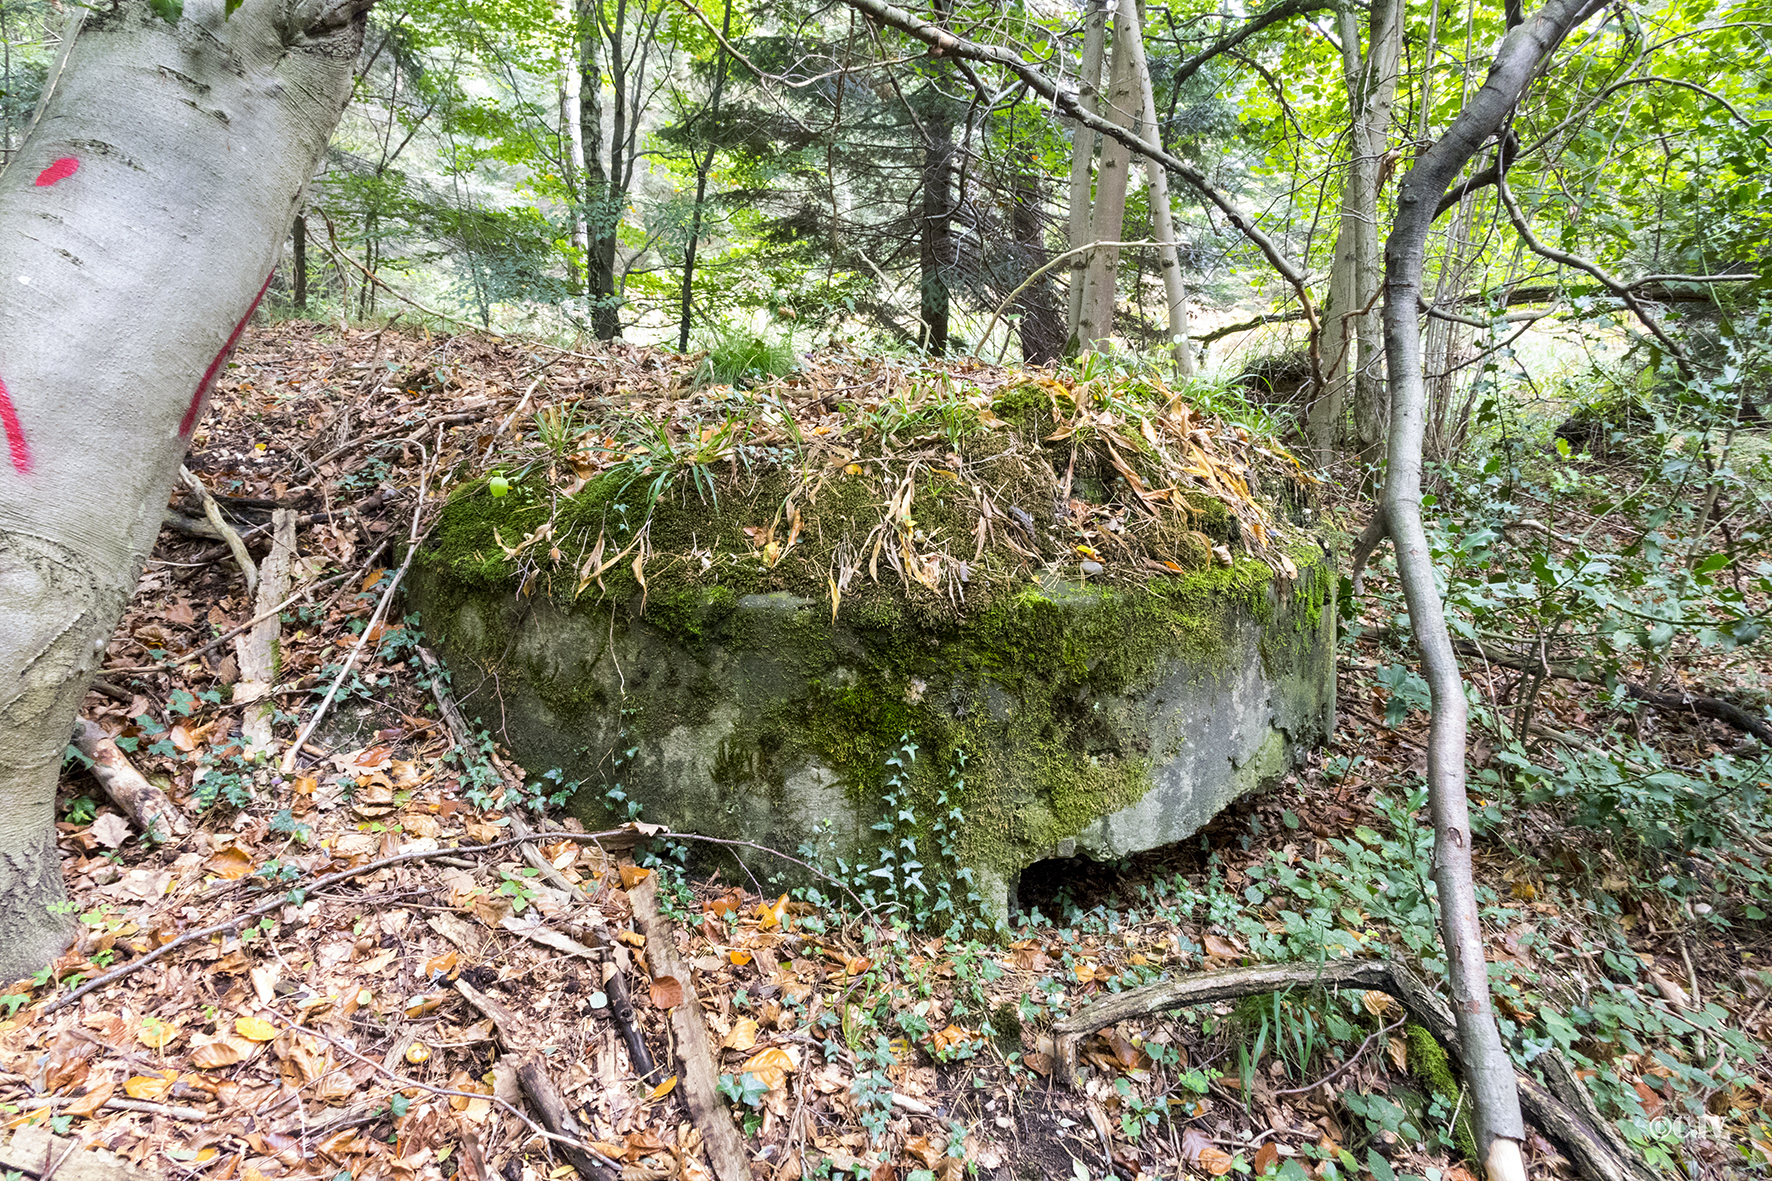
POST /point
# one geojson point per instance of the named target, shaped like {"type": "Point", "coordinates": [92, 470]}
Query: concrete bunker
{"type": "Point", "coordinates": [1007, 636]}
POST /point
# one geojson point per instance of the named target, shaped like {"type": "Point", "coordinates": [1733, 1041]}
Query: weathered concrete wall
{"type": "Point", "coordinates": [1093, 718]}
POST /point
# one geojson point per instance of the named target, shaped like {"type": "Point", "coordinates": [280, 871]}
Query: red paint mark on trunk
{"type": "Point", "coordinates": [15, 433]}
{"type": "Point", "coordinates": [195, 410]}
{"type": "Point", "coordinates": [60, 170]}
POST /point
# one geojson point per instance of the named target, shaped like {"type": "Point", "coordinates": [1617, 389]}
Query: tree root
{"type": "Point", "coordinates": [1563, 1111]}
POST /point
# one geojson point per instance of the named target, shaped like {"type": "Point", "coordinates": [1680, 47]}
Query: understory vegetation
{"type": "Point", "coordinates": [622, 312]}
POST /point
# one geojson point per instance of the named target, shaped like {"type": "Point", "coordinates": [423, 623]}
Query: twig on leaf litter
{"type": "Point", "coordinates": [403, 1081]}
{"type": "Point", "coordinates": [282, 899]}
{"type": "Point", "coordinates": [381, 608]}
{"type": "Point", "coordinates": [304, 592]}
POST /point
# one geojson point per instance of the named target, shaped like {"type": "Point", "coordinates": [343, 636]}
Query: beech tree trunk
{"type": "Point", "coordinates": [1162, 216]}
{"type": "Point", "coordinates": [139, 225]}
{"type": "Point", "coordinates": [572, 127]}
{"type": "Point", "coordinates": [1372, 86]}
{"type": "Point", "coordinates": [1488, 1071]}
{"type": "Point", "coordinates": [1101, 273]}
{"type": "Point", "coordinates": [1083, 151]}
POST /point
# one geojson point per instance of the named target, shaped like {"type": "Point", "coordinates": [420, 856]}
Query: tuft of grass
{"type": "Point", "coordinates": [742, 357]}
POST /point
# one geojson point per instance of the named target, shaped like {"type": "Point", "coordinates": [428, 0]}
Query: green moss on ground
{"type": "Point", "coordinates": [1429, 1063]}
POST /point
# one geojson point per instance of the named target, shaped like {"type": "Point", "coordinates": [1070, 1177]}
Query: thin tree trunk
{"type": "Point", "coordinates": [1162, 216]}
{"type": "Point", "coordinates": [1083, 151]}
{"type": "Point", "coordinates": [1489, 1072]}
{"type": "Point", "coordinates": [1377, 87]}
{"type": "Point", "coordinates": [300, 262]}
{"type": "Point", "coordinates": [1042, 323]}
{"type": "Point", "coordinates": [572, 124]}
{"type": "Point", "coordinates": [935, 245]}
{"type": "Point", "coordinates": [937, 218]}
{"type": "Point", "coordinates": [603, 200]}
{"type": "Point", "coordinates": [108, 352]}
{"type": "Point", "coordinates": [703, 166]}
{"type": "Point", "coordinates": [1101, 275]}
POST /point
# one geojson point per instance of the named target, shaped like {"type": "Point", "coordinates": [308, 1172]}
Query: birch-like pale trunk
{"type": "Point", "coordinates": [1162, 216]}
{"type": "Point", "coordinates": [1489, 1073]}
{"type": "Point", "coordinates": [1083, 151]}
{"type": "Point", "coordinates": [572, 125]}
{"type": "Point", "coordinates": [1101, 272]}
{"type": "Point", "coordinates": [1374, 81]}
{"type": "Point", "coordinates": [139, 224]}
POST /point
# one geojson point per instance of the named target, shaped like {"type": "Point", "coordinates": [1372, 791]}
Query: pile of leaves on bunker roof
{"type": "Point", "coordinates": [947, 478]}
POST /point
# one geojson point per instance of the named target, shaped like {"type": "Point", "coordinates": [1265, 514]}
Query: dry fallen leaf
{"type": "Point", "coordinates": [224, 1051]}
{"type": "Point", "coordinates": [110, 830]}
{"type": "Point", "coordinates": [96, 1097]}
{"type": "Point", "coordinates": [1219, 948]}
{"type": "Point", "coordinates": [771, 1066]}
{"type": "Point", "coordinates": [149, 1086]}
{"type": "Point", "coordinates": [743, 1036]}
{"type": "Point", "coordinates": [255, 1028]}
{"type": "Point", "coordinates": [663, 1089]}
{"type": "Point", "coordinates": [667, 992]}
{"type": "Point", "coordinates": [231, 863]}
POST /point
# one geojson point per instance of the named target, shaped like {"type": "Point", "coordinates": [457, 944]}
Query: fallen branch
{"type": "Point", "coordinates": [256, 650]}
{"type": "Point", "coordinates": [699, 1068]}
{"type": "Point", "coordinates": [1576, 1128]}
{"type": "Point", "coordinates": [151, 809]}
{"type": "Point", "coordinates": [1708, 707]}
{"type": "Point", "coordinates": [369, 629]}
{"type": "Point", "coordinates": [532, 1072]}
{"type": "Point", "coordinates": [212, 510]}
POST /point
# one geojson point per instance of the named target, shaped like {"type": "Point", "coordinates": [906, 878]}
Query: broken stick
{"type": "Point", "coordinates": [256, 650]}
{"type": "Point", "coordinates": [700, 1070]}
{"type": "Point", "coordinates": [532, 1072]}
{"type": "Point", "coordinates": [151, 809]}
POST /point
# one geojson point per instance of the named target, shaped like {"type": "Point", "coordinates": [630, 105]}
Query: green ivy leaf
{"type": "Point", "coordinates": [232, 7]}
{"type": "Point", "coordinates": [169, 11]}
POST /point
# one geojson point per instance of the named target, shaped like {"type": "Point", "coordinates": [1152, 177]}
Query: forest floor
{"type": "Point", "coordinates": [320, 1030]}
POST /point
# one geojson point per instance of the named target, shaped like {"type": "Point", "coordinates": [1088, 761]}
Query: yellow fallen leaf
{"type": "Point", "coordinates": [149, 1086]}
{"type": "Point", "coordinates": [230, 863]}
{"type": "Point", "coordinates": [256, 1028]}
{"type": "Point", "coordinates": [771, 1066]}
{"type": "Point", "coordinates": [743, 1036]}
{"type": "Point", "coordinates": [739, 958]}
{"type": "Point", "coordinates": [663, 1089]}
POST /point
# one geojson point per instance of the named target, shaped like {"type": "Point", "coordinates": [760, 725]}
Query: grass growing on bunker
{"type": "Point", "coordinates": [950, 485]}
